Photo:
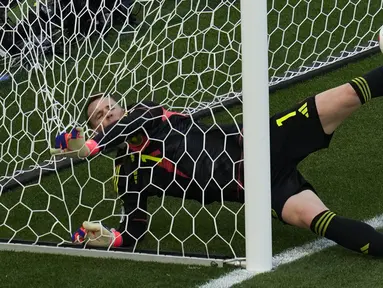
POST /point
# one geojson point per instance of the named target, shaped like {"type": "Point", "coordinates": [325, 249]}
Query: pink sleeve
{"type": "Point", "coordinates": [92, 146]}
{"type": "Point", "coordinates": [117, 238]}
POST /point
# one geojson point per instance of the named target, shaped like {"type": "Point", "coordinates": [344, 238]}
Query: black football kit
{"type": "Point", "coordinates": [164, 153]}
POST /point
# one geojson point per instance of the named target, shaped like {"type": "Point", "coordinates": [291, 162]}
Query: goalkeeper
{"type": "Point", "coordinates": [171, 154]}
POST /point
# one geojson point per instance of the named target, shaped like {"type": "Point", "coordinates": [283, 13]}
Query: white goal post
{"type": "Point", "coordinates": [256, 135]}
{"type": "Point", "coordinates": [192, 56]}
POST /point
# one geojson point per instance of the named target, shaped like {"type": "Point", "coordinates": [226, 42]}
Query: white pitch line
{"type": "Point", "coordinates": [285, 257]}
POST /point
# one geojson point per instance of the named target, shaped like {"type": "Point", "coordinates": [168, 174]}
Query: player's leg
{"type": "Point", "coordinates": [308, 126]}
{"type": "Point", "coordinates": [294, 134]}
{"type": "Point", "coordinates": [303, 129]}
{"type": "Point", "coordinates": [336, 104]}
{"type": "Point", "coordinates": [306, 210]}
{"type": "Point", "coordinates": [300, 209]}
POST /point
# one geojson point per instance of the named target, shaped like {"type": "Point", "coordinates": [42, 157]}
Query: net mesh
{"type": "Point", "coordinates": [182, 54]}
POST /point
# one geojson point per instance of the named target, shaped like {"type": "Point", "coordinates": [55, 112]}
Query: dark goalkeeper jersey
{"type": "Point", "coordinates": [162, 153]}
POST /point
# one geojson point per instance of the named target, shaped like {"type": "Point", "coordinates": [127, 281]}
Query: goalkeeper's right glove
{"type": "Point", "coordinates": [73, 145]}
{"type": "Point", "coordinates": [95, 234]}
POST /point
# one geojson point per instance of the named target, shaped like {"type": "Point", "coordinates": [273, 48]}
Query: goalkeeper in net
{"type": "Point", "coordinates": [164, 153]}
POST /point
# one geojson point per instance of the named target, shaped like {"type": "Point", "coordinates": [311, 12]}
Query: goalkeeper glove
{"type": "Point", "coordinates": [73, 145]}
{"type": "Point", "coordinates": [97, 235]}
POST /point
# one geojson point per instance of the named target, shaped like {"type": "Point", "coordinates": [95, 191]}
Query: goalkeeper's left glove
{"type": "Point", "coordinates": [74, 145]}
{"type": "Point", "coordinates": [95, 234]}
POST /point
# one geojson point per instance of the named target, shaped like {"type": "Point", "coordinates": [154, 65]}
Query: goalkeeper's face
{"type": "Point", "coordinates": [103, 112]}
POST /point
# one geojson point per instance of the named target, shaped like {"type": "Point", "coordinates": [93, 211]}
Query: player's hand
{"type": "Point", "coordinates": [96, 235]}
{"type": "Point", "coordinates": [71, 144]}
{"type": "Point", "coordinates": [79, 236]}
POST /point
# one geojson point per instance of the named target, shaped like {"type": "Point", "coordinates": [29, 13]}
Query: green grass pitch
{"type": "Point", "coordinates": [347, 176]}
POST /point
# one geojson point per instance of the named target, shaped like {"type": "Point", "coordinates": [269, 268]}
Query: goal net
{"type": "Point", "coordinates": [185, 55]}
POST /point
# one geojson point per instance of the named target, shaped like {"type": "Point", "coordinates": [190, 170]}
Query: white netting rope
{"type": "Point", "coordinates": [182, 54]}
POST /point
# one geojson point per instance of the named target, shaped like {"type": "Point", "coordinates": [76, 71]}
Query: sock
{"type": "Point", "coordinates": [369, 85]}
{"type": "Point", "coordinates": [351, 234]}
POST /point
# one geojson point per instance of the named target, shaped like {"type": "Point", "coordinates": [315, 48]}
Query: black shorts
{"type": "Point", "coordinates": [294, 134]}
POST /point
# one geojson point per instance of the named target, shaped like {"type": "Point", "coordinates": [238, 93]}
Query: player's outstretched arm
{"type": "Point", "coordinates": [94, 234]}
{"type": "Point", "coordinates": [131, 230]}
{"type": "Point", "coordinates": [134, 225]}
{"type": "Point", "coordinates": [74, 144]}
